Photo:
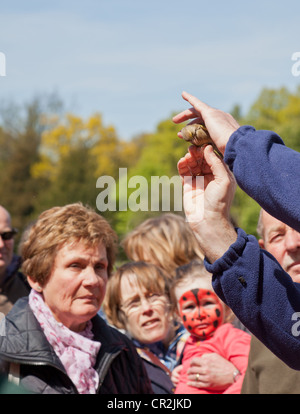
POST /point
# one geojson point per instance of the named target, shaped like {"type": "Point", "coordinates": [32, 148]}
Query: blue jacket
{"type": "Point", "coordinates": [248, 278]}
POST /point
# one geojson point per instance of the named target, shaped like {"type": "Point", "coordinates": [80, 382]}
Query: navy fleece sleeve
{"type": "Point", "coordinates": [261, 294]}
{"type": "Point", "coordinates": [267, 171]}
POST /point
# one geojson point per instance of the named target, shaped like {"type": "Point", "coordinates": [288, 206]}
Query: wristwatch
{"type": "Point", "coordinates": [236, 375]}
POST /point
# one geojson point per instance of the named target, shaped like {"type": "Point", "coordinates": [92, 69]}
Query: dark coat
{"type": "Point", "coordinates": [22, 341]}
{"type": "Point", "coordinates": [248, 278]}
{"type": "Point", "coordinates": [160, 381]}
{"type": "Point", "coordinates": [13, 287]}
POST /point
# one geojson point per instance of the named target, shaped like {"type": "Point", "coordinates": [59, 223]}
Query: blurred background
{"type": "Point", "coordinates": [90, 87]}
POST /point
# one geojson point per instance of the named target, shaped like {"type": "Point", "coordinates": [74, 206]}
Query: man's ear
{"type": "Point", "coordinates": [261, 243]}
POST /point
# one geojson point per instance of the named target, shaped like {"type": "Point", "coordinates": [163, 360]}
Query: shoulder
{"type": "Point", "coordinates": [109, 336]}
{"type": "Point", "coordinates": [232, 337]}
{"type": "Point", "coordinates": [230, 330]}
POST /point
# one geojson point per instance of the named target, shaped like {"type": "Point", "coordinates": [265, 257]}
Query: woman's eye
{"type": "Point", "coordinates": [101, 266]}
{"type": "Point", "coordinates": [75, 265]}
{"type": "Point", "coordinates": [134, 303]}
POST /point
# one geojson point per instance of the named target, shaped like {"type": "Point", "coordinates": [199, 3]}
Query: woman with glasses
{"type": "Point", "coordinates": [137, 301]}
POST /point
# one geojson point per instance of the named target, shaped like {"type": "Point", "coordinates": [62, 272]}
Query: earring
{"type": "Point", "coordinates": [39, 289]}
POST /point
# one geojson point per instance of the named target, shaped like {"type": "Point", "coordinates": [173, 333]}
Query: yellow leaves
{"type": "Point", "coordinates": [291, 112]}
{"type": "Point", "coordinates": [277, 110]}
{"type": "Point", "coordinates": [94, 123]}
{"type": "Point", "coordinates": [43, 169]}
{"type": "Point", "coordinates": [74, 133]}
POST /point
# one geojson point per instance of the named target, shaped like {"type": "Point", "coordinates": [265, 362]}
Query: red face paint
{"type": "Point", "coordinates": [201, 312]}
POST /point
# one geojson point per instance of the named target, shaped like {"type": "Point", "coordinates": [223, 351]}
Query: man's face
{"type": "Point", "coordinates": [6, 246]}
{"type": "Point", "coordinates": [283, 243]}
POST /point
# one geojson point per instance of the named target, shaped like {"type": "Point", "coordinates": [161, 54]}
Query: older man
{"type": "Point", "coordinates": [264, 368]}
{"type": "Point", "coordinates": [249, 279]}
{"type": "Point", "coordinates": [12, 282]}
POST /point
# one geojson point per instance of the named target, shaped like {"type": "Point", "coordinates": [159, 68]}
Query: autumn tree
{"type": "Point", "coordinates": [51, 158]}
{"type": "Point", "coordinates": [277, 110]}
{"type": "Point", "coordinates": [157, 163]}
{"type": "Point", "coordinates": [20, 138]}
{"type": "Point", "coordinates": [74, 153]}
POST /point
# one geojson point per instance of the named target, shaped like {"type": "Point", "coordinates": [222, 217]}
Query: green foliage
{"type": "Point", "coordinates": [158, 157]}
{"type": "Point", "coordinates": [277, 110]}
{"type": "Point", "coordinates": [19, 150]}
{"type": "Point", "coordinates": [50, 158]}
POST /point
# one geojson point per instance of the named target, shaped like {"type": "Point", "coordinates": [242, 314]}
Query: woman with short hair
{"type": "Point", "coordinates": [54, 341]}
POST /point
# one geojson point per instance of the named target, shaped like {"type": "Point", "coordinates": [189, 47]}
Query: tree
{"type": "Point", "coordinates": [277, 110]}
{"type": "Point", "coordinates": [158, 157]}
{"type": "Point", "coordinates": [74, 153]}
{"type": "Point", "coordinates": [19, 142]}
{"type": "Point", "coordinates": [50, 158]}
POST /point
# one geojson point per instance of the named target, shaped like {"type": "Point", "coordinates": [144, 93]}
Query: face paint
{"type": "Point", "coordinates": [201, 312]}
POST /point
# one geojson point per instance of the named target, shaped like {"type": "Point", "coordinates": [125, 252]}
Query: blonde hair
{"type": "Point", "coordinates": [167, 241]}
{"type": "Point", "coordinates": [148, 276]}
{"type": "Point", "coordinates": [59, 226]}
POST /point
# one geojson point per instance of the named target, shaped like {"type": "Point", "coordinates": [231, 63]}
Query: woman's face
{"type": "Point", "coordinates": [147, 314]}
{"type": "Point", "coordinates": [76, 287]}
{"type": "Point", "coordinates": [200, 308]}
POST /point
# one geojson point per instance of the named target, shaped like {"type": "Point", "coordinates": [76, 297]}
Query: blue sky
{"type": "Point", "coordinates": [130, 59]}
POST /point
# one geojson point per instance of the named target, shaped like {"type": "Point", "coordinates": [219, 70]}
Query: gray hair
{"type": "Point", "coordinates": [260, 225]}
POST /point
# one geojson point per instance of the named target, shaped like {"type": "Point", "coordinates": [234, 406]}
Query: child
{"type": "Point", "coordinates": [205, 317]}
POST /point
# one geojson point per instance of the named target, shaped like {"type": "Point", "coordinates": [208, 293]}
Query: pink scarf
{"type": "Point", "coordinates": [77, 351]}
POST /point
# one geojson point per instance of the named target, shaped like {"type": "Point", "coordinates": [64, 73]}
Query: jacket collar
{"type": "Point", "coordinates": [22, 339]}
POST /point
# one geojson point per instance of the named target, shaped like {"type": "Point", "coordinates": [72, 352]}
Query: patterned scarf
{"type": "Point", "coordinates": [77, 351]}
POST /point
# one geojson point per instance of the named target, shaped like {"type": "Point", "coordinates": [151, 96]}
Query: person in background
{"type": "Point", "coordinates": [137, 301]}
{"type": "Point", "coordinates": [247, 278]}
{"type": "Point", "coordinates": [166, 241]}
{"type": "Point", "coordinates": [13, 284]}
{"type": "Point", "coordinates": [53, 341]}
{"type": "Point", "coordinates": [207, 320]}
{"type": "Point", "coordinates": [169, 242]}
{"type": "Point", "coordinates": [264, 368]}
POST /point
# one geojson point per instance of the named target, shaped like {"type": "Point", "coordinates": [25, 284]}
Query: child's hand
{"type": "Point", "coordinates": [176, 374]}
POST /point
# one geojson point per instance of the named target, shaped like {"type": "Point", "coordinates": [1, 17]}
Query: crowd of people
{"type": "Point", "coordinates": [199, 307]}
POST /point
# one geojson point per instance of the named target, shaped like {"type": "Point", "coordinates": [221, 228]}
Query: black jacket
{"type": "Point", "coordinates": [22, 341]}
{"type": "Point", "coordinates": [13, 287]}
{"type": "Point", "coordinates": [161, 383]}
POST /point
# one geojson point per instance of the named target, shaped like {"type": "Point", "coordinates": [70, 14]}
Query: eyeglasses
{"type": "Point", "coordinates": [135, 304]}
{"type": "Point", "coordinates": [8, 235]}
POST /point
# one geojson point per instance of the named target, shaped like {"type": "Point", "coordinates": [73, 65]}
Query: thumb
{"type": "Point", "coordinates": [215, 163]}
{"type": "Point", "coordinates": [220, 171]}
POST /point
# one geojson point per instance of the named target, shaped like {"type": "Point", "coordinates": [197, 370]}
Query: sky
{"type": "Point", "coordinates": [131, 59]}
